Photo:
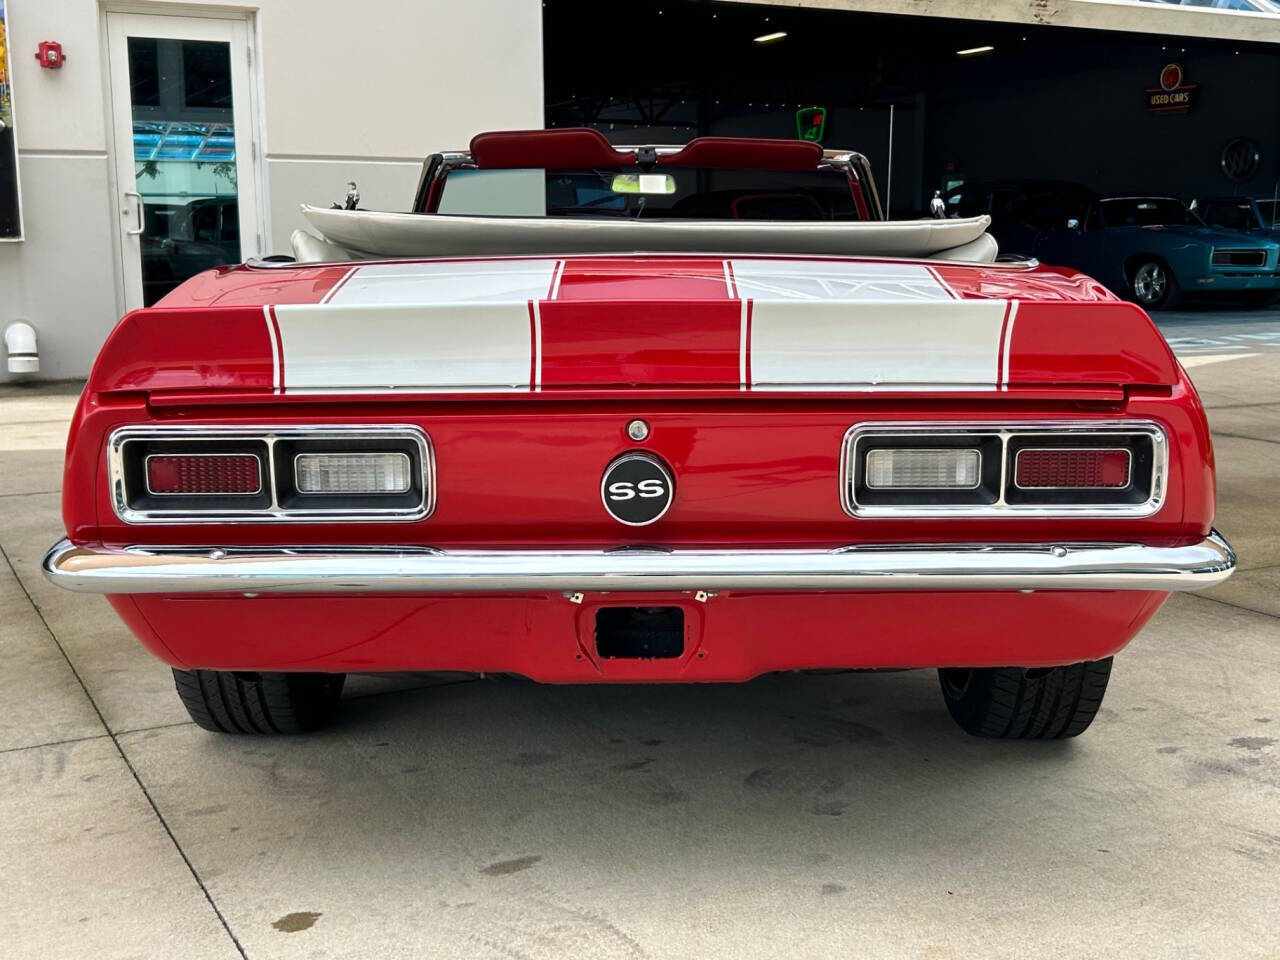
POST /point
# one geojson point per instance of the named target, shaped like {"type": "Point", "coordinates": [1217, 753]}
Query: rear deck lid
{"type": "Point", "coordinates": [585, 323]}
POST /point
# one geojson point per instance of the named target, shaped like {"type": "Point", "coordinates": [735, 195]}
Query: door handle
{"type": "Point", "coordinates": [141, 212]}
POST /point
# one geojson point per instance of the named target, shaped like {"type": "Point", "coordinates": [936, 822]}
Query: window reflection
{"type": "Point", "coordinates": [184, 159]}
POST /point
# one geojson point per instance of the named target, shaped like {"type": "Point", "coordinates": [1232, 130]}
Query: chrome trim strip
{"type": "Point", "coordinates": [1006, 431]}
{"type": "Point", "coordinates": [269, 434]}
{"type": "Point", "coordinates": [1008, 262]}
{"type": "Point", "coordinates": [952, 567]}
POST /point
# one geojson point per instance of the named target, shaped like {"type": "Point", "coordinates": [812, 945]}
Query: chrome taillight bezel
{"type": "Point", "coordinates": [269, 509]}
{"type": "Point", "coordinates": [1003, 432]}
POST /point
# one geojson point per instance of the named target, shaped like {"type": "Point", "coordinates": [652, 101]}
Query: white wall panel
{"type": "Point", "coordinates": [348, 91]}
{"type": "Point", "coordinates": [384, 185]}
{"type": "Point", "coordinates": [389, 79]}
{"type": "Point", "coordinates": [57, 110]}
{"type": "Point", "coordinates": [62, 279]}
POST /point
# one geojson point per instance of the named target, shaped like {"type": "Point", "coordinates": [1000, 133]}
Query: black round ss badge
{"type": "Point", "coordinates": [637, 489]}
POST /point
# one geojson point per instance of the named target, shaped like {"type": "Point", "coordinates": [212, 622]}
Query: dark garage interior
{"type": "Point", "coordinates": [1044, 102]}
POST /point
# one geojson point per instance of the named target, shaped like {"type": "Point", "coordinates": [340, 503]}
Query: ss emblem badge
{"type": "Point", "coordinates": [637, 489]}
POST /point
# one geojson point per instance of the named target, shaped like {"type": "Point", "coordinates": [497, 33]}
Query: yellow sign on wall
{"type": "Point", "coordinates": [10, 215]}
{"type": "Point", "coordinates": [4, 71]}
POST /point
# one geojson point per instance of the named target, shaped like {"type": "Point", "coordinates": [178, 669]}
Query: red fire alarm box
{"type": "Point", "coordinates": [51, 56]}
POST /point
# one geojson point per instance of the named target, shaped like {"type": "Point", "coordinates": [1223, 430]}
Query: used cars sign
{"type": "Point", "coordinates": [1173, 95]}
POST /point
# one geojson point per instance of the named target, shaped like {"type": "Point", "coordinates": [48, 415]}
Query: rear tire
{"type": "Point", "coordinates": [266, 703]}
{"type": "Point", "coordinates": [1016, 703]}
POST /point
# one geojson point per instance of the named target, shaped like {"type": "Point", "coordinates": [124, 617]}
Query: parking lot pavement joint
{"type": "Point", "coordinates": [53, 743]}
{"type": "Point", "coordinates": [123, 756]}
{"type": "Point", "coordinates": [1240, 436]}
{"type": "Point", "coordinates": [158, 726]}
{"type": "Point", "coordinates": [28, 493]}
{"type": "Point", "coordinates": [1238, 606]}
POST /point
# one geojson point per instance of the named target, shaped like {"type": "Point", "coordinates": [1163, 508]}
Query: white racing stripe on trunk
{"type": "Point", "coordinates": [767, 281]}
{"type": "Point", "coordinates": [275, 353]}
{"type": "Point", "coordinates": [1007, 336]}
{"type": "Point", "coordinates": [535, 317]}
{"type": "Point", "coordinates": [458, 281]}
{"type": "Point", "coordinates": [448, 347]}
{"type": "Point", "coordinates": [948, 345]}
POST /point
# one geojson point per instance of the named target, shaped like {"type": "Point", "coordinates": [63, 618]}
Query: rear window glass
{"type": "Point", "coordinates": [662, 193]}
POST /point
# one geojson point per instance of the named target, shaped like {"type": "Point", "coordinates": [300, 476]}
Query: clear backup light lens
{"type": "Point", "coordinates": [913, 468]}
{"type": "Point", "coordinates": [203, 474]}
{"type": "Point", "coordinates": [1072, 469]}
{"type": "Point", "coordinates": [339, 473]}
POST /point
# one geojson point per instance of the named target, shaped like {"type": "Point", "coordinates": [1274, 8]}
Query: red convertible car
{"type": "Point", "coordinates": [593, 414]}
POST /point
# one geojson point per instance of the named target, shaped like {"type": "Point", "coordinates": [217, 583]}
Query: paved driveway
{"type": "Point", "coordinates": [794, 816]}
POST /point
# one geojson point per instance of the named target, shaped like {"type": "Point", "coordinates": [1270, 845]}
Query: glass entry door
{"type": "Point", "coordinates": [184, 160]}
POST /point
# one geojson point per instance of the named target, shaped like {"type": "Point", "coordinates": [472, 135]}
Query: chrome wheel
{"type": "Point", "coordinates": [1150, 284]}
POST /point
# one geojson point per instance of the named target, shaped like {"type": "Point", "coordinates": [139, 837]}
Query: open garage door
{"type": "Point", "coordinates": [968, 100]}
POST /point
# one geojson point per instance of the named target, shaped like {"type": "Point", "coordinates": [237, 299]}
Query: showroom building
{"type": "Point", "coordinates": [154, 138]}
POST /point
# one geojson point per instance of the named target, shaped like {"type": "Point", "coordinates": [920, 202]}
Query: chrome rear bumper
{"type": "Point", "coordinates": [1048, 566]}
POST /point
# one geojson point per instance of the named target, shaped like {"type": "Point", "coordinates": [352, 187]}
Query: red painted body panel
{"type": "Point", "coordinates": [755, 470]}
{"type": "Point", "coordinates": [242, 285]}
{"type": "Point", "coordinates": [583, 346]}
{"type": "Point", "coordinates": [731, 637]}
{"type": "Point", "coordinates": [656, 338]}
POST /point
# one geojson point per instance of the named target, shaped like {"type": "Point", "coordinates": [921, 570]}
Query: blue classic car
{"type": "Point", "coordinates": [1151, 249]}
{"type": "Point", "coordinates": [1154, 250]}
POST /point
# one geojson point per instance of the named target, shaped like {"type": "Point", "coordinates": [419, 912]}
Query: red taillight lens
{"type": "Point", "coordinates": [1073, 469]}
{"type": "Point", "coordinates": [210, 474]}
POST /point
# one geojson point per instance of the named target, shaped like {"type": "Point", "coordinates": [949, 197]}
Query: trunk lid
{"type": "Point", "coordinates": [743, 324]}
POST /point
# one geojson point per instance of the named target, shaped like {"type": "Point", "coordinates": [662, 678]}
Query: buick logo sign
{"type": "Point", "coordinates": [637, 489]}
{"type": "Point", "coordinates": [1240, 159]}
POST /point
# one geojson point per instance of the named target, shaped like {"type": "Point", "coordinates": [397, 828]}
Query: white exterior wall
{"type": "Point", "coordinates": [1134, 16]}
{"type": "Point", "coordinates": [346, 91]}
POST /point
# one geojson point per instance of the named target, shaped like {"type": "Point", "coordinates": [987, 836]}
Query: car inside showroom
{"type": "Point", "coordinates": [686, 479]}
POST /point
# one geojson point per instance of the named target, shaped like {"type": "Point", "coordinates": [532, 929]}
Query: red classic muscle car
{"type": "Point", "coordinates": [489, 435]}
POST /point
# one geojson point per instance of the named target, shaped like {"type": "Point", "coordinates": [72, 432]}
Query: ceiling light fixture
{"type": "Point", "coordinates": [974, 51]}
{"type": "Point", "coordinates": [770, 37]}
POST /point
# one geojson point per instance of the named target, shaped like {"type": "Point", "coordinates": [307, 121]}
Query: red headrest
{"type": "Point", "coordinates": [746, 153]}
{"type": "Point", "coordinates": [571, 148]}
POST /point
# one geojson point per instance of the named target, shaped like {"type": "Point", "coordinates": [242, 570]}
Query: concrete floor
{"type": "Point", "coordinates": [796, 816]}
